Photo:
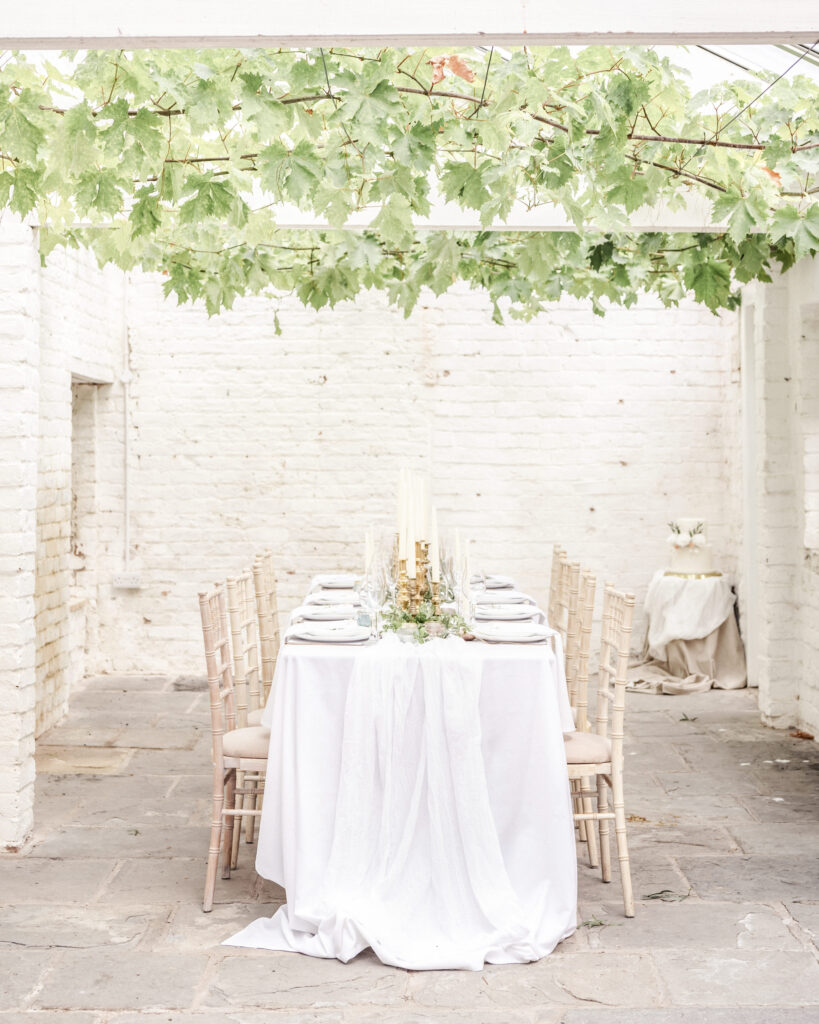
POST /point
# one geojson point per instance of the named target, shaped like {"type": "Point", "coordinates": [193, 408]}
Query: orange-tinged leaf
{"type": "Point", "coordinates": [437, 69]}
{"type": "Point", "coordinates": [776, 177]}
{"type": "Point", "coordinates": [458, 66]}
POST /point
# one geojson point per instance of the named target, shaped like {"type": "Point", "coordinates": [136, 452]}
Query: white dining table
{"type": "Point", "coordinates": [417, 802]}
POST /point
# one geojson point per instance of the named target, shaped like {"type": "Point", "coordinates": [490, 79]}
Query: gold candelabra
{"type": "Point", "coordinates": [412, 590]}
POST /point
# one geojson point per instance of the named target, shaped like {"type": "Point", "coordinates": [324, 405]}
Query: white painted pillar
{"type": "Point", "coordinates": [773, 544]}
{"type": "Point", "coordinates": [19, 415]}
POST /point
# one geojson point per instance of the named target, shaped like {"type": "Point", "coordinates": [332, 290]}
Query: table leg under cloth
{"type": "Point", "coordinates": [417, 802]}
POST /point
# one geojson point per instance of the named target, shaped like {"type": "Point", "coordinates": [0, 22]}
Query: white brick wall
{"type": "Point", "coordinates": [19, 370]}
{"type": "Point", "coordinates": [80, 336]}
{"type": "Point", "coordinates": [574, 429]}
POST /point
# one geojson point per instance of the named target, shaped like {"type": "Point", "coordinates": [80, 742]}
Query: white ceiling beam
{"type": "Point", "coordinates": [54, 24]}
{"type": "Point", "coordinates": [694, 216]}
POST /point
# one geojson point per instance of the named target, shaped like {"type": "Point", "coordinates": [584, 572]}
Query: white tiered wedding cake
{"type": "Point", "coordinates": [690, 550]}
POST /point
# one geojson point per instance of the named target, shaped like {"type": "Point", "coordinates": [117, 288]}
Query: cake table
{"type": "Point", "coordinates": [692, 641]}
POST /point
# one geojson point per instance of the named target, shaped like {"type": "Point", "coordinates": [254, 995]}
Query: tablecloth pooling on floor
{"type": "Point", "coordinates": [417, 802]}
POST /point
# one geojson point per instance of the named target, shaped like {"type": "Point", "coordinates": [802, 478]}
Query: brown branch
{"type": "Point", "coordinates": [633, 137]}
{"type": "Point", "coordinates": [677, 173]}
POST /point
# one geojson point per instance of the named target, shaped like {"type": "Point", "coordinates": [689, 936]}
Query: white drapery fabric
{"type": "Point", "coordinates": [692, 640]}
{"type": "Point", "coordinates": [417, 802]}
{"type": "Point", "coordinates": [684, 609]}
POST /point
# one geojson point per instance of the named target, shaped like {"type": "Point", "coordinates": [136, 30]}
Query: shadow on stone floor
{"type": "Point", "coordinates": [100, 919]}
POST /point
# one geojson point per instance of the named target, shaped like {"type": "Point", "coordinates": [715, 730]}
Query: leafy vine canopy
{"type": "Point", "coordinates": [178, 162]}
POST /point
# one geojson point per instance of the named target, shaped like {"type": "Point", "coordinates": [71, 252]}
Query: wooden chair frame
{"type": "Point", "coordinates": [218, 660]}
{"type": "Point", "coordinates": [618, 619]}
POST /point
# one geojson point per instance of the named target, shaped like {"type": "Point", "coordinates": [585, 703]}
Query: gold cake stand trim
{"type": "Point", "coordinates": [693, 575]}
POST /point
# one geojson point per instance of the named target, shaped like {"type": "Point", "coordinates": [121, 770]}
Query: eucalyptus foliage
{"type": "Point", "coordinates": [177, 161]}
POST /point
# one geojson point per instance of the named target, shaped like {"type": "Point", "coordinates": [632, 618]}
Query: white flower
{"type": "Point", "coordinates": [698, 540]}
{"type": "Point", "coordinates": [673, 539]}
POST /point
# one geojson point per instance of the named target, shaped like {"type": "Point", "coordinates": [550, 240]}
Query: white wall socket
{"type": "Point", "coordinates": [127, 581]}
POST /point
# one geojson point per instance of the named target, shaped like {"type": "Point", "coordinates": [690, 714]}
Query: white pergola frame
{"type": "Point", "coordinates": [53, 24]}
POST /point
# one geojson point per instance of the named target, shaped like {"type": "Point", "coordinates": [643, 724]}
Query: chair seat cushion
{"type": "Point", "coordinates": [253, 741]}
{"type": "Point", "coordinates": [587, 748]}
{"type": "Point", "coordinates": [255, 717]}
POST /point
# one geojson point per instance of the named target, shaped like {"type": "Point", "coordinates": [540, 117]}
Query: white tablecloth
{"type": "Point", "coordinates": [417, 802]}
{"type": "Point", "coordinates": [684, 609]}
{"type": "Point", "coordinates": [692, 641]}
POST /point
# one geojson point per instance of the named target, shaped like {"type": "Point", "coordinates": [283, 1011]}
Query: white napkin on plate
{"type": "Point", "coordinates": [324, 612]}
{"type": "Point", "coordinates": [333, 597]}
{"type": "Point", "coordinates": [501, 597]}
{"type": "Point", "coordinates": [507, 612]}
{"type": "Point", "coordinates": [492, 582]}
{"type": "Point", "coordinates": [333, 581]}
{"type": "Point", "coordinates": [512, 632]}
{"type": "Point", "coordinates": [346, 631]}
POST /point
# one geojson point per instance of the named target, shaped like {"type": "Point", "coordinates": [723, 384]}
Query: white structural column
{"type": "Point", "coordinates": [52, 24]}
{"type": "Point", "coordinates": [780, 585]}
{"type": "Point", "coordinates": [19, 386]}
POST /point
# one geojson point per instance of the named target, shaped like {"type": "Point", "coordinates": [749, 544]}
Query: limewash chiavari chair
{"type": "Point", "coordinates": [558, 557]}
{"type": "Point", "coordinates": [267, 609]}
{"type": "Point", "coordinates": [234, 750]}
{"type": "Point", "coordinates": [244, 636]}
{"type": "Point", "coordinates": [577, 675]}
{"type": "Point", "coordinates": [599, 754]}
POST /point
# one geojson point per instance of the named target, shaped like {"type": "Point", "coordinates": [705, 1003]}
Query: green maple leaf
{"type": "Point", "coordinates": [394, 221]}
{"type": "Point", "coordinates": [21, 137]}
{"type": "Point", "coordinates": [212, 198]}
{"type": "Point", "coordinates": [803, 231]}
{"type": "Point", "coordinates": [463, 182]}
{"type": "Point", "coordinates": [26, 191]}
{"type": "Point", "coordinates": [743, 213]}
{"type": "Point", "coordinates": [710, 282]}
{"type": "Point", "coordinates": [99, 190]}
{"type": "Point", "coordinates": [146, 215]}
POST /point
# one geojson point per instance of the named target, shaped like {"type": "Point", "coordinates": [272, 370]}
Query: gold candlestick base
{"type": "Point", "coordinates": [436, 598]}
{"type": "Point", "coordinates": [402, 595]}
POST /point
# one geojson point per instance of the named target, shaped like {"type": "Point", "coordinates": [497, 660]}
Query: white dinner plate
{"type": "Point", "coordinates": [344, 632]}
{"type": "Point", "coordinates": [333, 581]}
{"type": "Point", "coordinates": [333, 597]}
{"type": "Point", "coordinates": [511, 632]}
{"type": "Point", "coordinates": [501, 597]}
{"type": "Point", "coordinates": [493, 582]}
{"type": "Point", "coordinates": [324, 612]}
{"type": "Point", "coordinates": [506, 612]}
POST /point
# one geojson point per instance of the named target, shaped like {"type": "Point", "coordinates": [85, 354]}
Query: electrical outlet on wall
{"type": "Point", "coordinates": [127, 581]}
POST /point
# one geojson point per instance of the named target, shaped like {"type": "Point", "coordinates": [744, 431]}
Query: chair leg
{"type": "Point", "coordinates": [249, 804]}
{"type": "Point", "coordinates": [237, 824]}
{"type": "Point", "coordinates": [215, 843]}
{"type": "Point", "coordinates": [227, 831]}
{"type": "Point", "coordinates": [578, 806]}
{"type": "Point", "coordinates": [605, 844]}
{"type": "Point", "coordinates": [622, 843]}
{"type": "Point", "coordinates": [588, 803]}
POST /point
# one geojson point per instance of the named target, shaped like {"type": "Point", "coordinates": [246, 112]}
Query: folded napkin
{"type": "Point", "coordinates": [492, 582]}
{"type": "Point", "coordinates": [333, 581]}
{"type": "Point", "coordinates": [324, 612]}
{"type": "Point", "coordinates": [343, 632]}
{"type": "Point", "coordinates": [333, 597]}
{"type": "Point", "coordinates": [507, 612]}
{"type": "Point", "coordinates": [502, 597]}
{"type": "Point", "coordinates": [512, 632]}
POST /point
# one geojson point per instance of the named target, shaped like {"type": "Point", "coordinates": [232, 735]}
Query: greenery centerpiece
{"type": "Point", "coordinates": [425, 620]}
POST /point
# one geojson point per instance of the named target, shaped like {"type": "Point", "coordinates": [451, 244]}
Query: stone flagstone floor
{"type": "Point", "coordinates": [100, 919]}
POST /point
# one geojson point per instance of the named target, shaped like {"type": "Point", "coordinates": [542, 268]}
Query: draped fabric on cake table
{"type": "Point", "coordinates": [692, 639]}
{"type": "Point", "coordinates": [451, 845]}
